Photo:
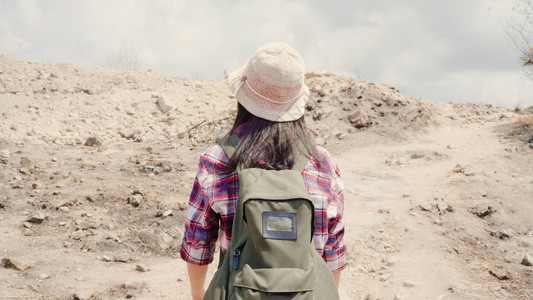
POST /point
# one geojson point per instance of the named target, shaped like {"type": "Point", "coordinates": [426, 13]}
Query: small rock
{"type": "Point", "coordinates": [105, 258]}
{"type": "Point", "coordinates": [4, 154]}
{"type": "Point", "coordinates": [64, 209]}
{"type": "Point", "coordinates": [459, 168]}
{"type": "Point", "coordinates": [457, 287]}
{"type": "Point", "coordinates": [27, 225]}
{"type": "Point", "coordinates": [135, 200]}
{"type": "Point", "coordinates": [373, 267]}
{"type": "Point", "coordinates": [77, 235]}
{"type": "Point", "coordinates": [26, 162]}
{"type": "Point", "coordinates": [43, 276]}
{"type": "Point", "coordinates": [384, 277]}
{"type": "Point", "coordinates": [482, 210]}
{"type": "Point", "coordinates": [84, 225]}
{"type": "Point", "coordinates": [123, 258]}
{"type": "Point", "coordinates": [359, 119]}
{"type": "Point", "coordinates": [86, 295]}
{"type": "Point", "coordinates": [92, 141]}
{"type": "Point", "coordinates": [106, 244]}
{"type": "Point", "coordinates": [408, 283]}
{"type": "Point", "coordinates": [168, 213]}
{"type": "Point", "coordinates": [182, 206]}
{"type": "Point", "coordinates": [417, 155]}
{"type": "Point", "coordinates": [127, 133]}
{"type": "Point", "coordinates": [494, 287]}
{"type": "Point", "coordinates": [383, 211]}
{"type": "Point", "coordinates": [25, 171]}
{"type": "Point", "coordinates": [401, 296]}
{"type": "Point", "coordinates": [380, 248]}
{"type": "Point", "coordinates": [426, 205]}
{"type": "Point", "coordinates": [370, 296]}
{"type": "Point", "coordinates": [141, 268]}
{"type": "Point", "coordinates": [500, 234]}
{"type": "Point", "coordinates": [341, 135]}
{"type": "Point", "coordinates": [505, 286]}
{"type": "Point", "coordinates": [442, 206]}
{"type": "Point", "coordinates": [36, 218]}
{"type": "Point", "coordinates": [9, 263]}
{"type": "Point", "coordinates": [37, 185]}
{"type": "Point", "coordinates": [527, 260]}
{"type": "Point", "coordinates": [438, 222]}
{"type": "Point", "coordinates": [28, 232]}
{"type": "Point", "coordinates": [162, 106]}
{"type": "Point", "coordinates": [501, 274]}
{"type": "Point", "coordinates": [391, 262]}
{"type": "Point", "coordinates": [113, 238]}
{"type": "Point", "coordinates": [91, 165]}
{"type": "Point", "coordinates": [469, 173]}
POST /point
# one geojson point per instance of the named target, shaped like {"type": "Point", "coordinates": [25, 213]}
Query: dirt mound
{"type": "Point", "coordinates": [67, 104]}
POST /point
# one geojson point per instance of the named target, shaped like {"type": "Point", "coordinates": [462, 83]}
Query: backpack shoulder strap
{"type": "Point", "coordinates": [229, 144]}
{"type": "Point", "coordinates": [300, 162]}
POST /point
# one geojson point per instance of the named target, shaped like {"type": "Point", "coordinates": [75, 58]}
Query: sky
{"type": "Point", "coordinates": [445, 51]}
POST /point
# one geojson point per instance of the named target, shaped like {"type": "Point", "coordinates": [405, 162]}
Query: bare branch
{"type": "Point", "coordinates": [518, 27]}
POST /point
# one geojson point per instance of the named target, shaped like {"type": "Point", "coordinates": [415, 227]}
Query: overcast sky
{"type": "Point", "coordinates": [448, 51]}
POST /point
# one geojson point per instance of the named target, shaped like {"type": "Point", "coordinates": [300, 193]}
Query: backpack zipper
{"type": "Point", "coordinates": [236, 255]}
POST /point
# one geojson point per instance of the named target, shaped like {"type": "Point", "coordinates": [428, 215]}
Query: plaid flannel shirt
{"type": "Point", "coordinates": [214, 195]}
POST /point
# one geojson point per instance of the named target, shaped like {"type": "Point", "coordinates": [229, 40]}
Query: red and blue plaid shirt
{"type": "Point", "coordinates": [215, 193]}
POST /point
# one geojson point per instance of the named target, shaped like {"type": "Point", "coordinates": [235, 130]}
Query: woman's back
{"type": "Point", "coordinates": [216, 191]}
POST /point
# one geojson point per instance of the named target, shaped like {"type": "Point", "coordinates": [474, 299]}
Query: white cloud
{"type": "Point", "coordinates": [11, 43]}
{"type": "Point", "coordinates": [446, 51]}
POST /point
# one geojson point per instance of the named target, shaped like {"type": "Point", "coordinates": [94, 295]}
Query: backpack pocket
{"type": "Point", "coordinates": [273, 284]}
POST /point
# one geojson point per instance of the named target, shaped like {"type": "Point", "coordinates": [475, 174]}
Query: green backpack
{"type": "Point", "coordinates": [272, 253]}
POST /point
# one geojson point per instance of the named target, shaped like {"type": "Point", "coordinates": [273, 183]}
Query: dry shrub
{"type": "Point", "coordinates": [525, 120]}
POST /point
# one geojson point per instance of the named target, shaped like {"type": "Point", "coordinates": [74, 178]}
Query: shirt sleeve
{"type": "Point", "coordinates": [335, 249]}
{"type": "Point", "coordinates": [201, 223]}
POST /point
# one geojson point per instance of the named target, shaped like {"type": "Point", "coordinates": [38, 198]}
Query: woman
{"type": "Point", "coordinates": [271, 97]}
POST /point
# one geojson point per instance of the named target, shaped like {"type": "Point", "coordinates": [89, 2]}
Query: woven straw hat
{"type": "Point", "coordinates": [271, 84]}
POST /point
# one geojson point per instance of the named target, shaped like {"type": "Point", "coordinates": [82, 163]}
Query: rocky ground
{"type": "Point", "coordinates": [96, 166]}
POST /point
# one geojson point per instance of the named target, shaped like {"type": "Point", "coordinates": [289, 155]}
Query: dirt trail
{"type": "Point", "coordinates": [398, 249]}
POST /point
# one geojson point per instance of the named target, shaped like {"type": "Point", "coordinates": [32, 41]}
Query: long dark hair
{"type": "Point", "coordinates": [269, 145]}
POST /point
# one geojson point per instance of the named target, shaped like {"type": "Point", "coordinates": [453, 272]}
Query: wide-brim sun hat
{"type": "Point", "coordinates": [271, 84]}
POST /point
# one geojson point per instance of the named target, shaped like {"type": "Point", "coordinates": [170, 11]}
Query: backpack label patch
{"type": "Point", "coordinates": [279, 225]}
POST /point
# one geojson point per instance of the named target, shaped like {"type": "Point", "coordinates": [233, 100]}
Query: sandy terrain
{"type": "Point", "coordinates": [96, 166]}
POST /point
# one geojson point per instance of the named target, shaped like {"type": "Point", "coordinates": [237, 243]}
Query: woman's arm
{"type": "Point", "coordinates": [197, 276]}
